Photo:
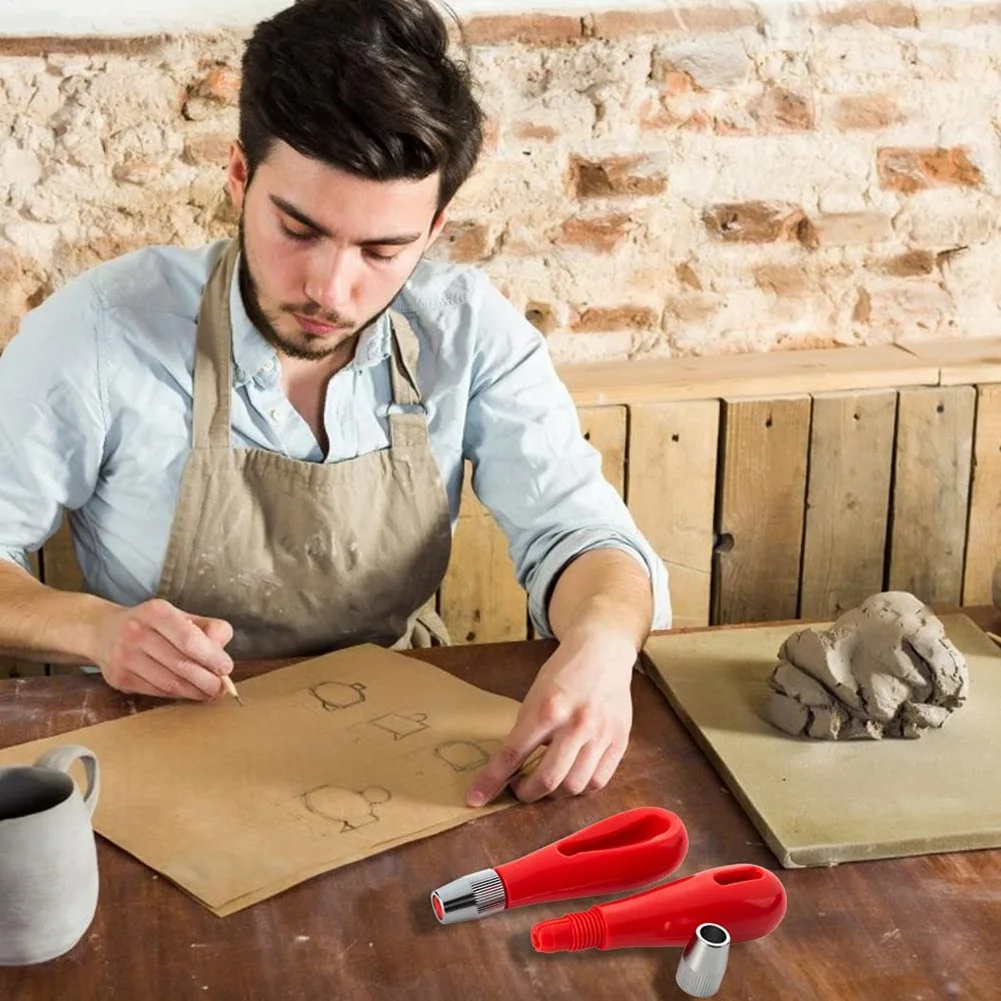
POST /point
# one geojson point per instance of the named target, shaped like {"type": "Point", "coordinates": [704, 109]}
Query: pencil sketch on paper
{"type": "Point", "coordinates": [343, 806]}
{"type": "Point", "coordinates": [462, 755]}
{"type": "Point", "coordinates": [334, 695]}
{"type": "Point", "coordinates": [401, 726]}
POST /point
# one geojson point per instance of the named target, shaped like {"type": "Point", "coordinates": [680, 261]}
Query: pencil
{"type": "Point", "coordinates": [227, 683]}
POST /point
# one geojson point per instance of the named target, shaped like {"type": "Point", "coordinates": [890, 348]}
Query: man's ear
{"type": "Point", "coordinates": [237, 175]}
{"type": "Point", "coordinates": [437, 226]}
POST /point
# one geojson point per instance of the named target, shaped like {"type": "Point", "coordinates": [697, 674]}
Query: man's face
{"type": "Point", "coordinates": [325, 252]}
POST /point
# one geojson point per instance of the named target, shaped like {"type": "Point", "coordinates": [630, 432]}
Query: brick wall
{"type": "Point", "coordinates": [697, 178]}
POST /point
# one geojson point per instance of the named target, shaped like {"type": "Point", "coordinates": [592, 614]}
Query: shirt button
{"type": "Point", "coordinates": [269, 365]}
{"type": "Point", "coordinates": [276, 415]}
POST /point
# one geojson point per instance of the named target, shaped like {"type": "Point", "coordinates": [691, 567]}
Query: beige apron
{"type": "Point", "coordinates": [301, 557]}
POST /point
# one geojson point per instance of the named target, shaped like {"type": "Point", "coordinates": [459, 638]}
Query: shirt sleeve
{"type": "Point", "coordinates": [52, 425]}
{"type": "Point", "coordinates": [533, 469]}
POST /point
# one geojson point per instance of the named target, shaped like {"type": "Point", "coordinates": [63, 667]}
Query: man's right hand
{"type": "Point", "coordinates": [156, 649]}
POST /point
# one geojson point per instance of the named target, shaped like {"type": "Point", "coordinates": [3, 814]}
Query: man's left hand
{"type": "Point", "coordinates": [580, 706]}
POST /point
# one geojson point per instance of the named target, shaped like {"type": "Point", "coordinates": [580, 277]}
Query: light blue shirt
{"type": "Point", "coordinates": [95, 418]}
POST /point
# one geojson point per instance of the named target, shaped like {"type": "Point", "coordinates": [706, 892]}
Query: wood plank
{"type": "Point", "coordinates": [931, 493]}
{"type": "Point", "coordinates": [605, 429]}
{"type": "Point", "coordinates": [59, 565]}
{"type": "Point", "coordinates": [760, 374]}
{"type": "Point", "coordinates": [11, 667]}
{"type": "Point", "coordinates": [761, 509]}
{"type": "Point", "coordinates": [480, 600]}
{"type": "Point", "coordinates": [672, 489]}
{"type": "Point", "coordinates": [983, 539]}
{"type": "Point", "coordinates": [961, 362]}
{"type": "Point", "coordinates": [848, 501]}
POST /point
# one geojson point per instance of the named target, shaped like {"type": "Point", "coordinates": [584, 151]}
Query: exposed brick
{"type": "Point", "coordinates": [600, 233]}
{"type": "Point", "coordinates": [208, 149]}
{"type": "Point", "coordinates": [847, 228]}
{"type": "Point", "coordinates": [879, 13]}
{"type": "Point", "coordinates": [862, 312]}
{"type": "Point", "coordinates": [781, 110]}
{"type": "Point", "coordinates": [466, 242]}
{"type": "Point", "coordinates": [709, 64]}
{"type": "Point", "coordinates": [138, 170]}
{"type": "Point", "coordinates": [221, 84]}
{"type": "Point", "coordinates": [616, 176]}
{"type": "Point", "coordinates": [688, 276]}
{"type": "Point", "coordinates": [908, 169]}
{"type": "Point", "coordinates": [782, 279]}
{"type": "Point", "coordinates": [677, 82]}
{"type": "Point", "coordinates": [970, 14]}
{"type": "Point", "coordinates": [524, 29]}
{"type": "Point", "coordinates": [695, 308]}
{"type": "Point", "coordinates": [866, 111]}
{"type": "Point", "coordinates": [491, 135]}
{"type": "Point", "coordinates": [526, 130]}
{"type": "Point", "coordinates": [591, 320]}
{"type": "Point", "coordinates": [614, 24]}
{"type": "Point", "coordinates": [43, 45]}
{"type": "Point", "coordinates": [757, 222]}
{"type": "Point", "coordinates": [908, 265]}
{"type": "Point", "coordinates": [810, 342]}
{"type": "Point", "coordinates": [655, 115]}
{"type": "Point", "coordinates": [541, 316]}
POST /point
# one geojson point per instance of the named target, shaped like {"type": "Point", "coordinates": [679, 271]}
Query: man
{"type": "Point", "coordinates": [260, 443]}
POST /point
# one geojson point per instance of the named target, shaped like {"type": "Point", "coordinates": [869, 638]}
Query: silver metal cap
{"type": "Point", "coordinates": [469, 897]}
{"type": "Point", "coordinates": [703, 963]}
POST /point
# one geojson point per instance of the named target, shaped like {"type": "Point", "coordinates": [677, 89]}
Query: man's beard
{"type": "Point", "coordinates": [266, 323]}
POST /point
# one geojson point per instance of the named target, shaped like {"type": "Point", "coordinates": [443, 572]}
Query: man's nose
{"type": "Point", "coordinates": [331, 284]}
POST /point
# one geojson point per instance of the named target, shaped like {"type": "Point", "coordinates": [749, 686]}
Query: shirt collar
{"type": "Point", "coordinates": [252, 354]}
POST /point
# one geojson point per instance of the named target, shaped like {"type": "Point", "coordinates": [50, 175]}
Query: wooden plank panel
{"type": "Point", "coordinates": [848, 501]}
{"type": "Point", "coordinates": [983, 545]}
{"type": "Point", "coordinates": [672, 489]}
{"type": "Point", "coordinates": [757, 374]}
{"type": "Point", "coordinates": [605, 429]}
{"type": "Point", "coordinates": [480, 600]}
{"type": "Point", "coordinates": [961, 362]}
{"type": "Point", "coordinates": [931, 492]}
{"type": "Point", "coordinates": [59, 565]}
{"type": "Point", "coordinates": [761, 507]}
{"type": "Point", "coordinates": [11, 668]}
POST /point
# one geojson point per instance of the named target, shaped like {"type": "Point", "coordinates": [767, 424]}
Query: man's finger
{"type": "Point", "coordinates": [164, 654]}
{"type": "Point", "coordinates": [217, 630]}
{"type": "Point", "coordinates": [578, 779]}
{"type": "Point", "coordinates": [606, 767]}
{"type": "Point", "coordinates": [554, 767]}
{"type": "Point", "coordinates": [505, 762]}
{"type": "Point", "coordinates": [179, 630]}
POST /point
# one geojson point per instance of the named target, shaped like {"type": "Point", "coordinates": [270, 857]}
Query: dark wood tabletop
{"type": "Point", "coordinates": [917, 929]}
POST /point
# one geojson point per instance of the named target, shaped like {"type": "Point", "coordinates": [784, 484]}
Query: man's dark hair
{"type": "Point", "coordinates": [366, 86]}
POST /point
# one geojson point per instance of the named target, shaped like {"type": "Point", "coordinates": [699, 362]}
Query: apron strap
{"type": "Point", "coordinates": [408, 429]}
{"type": "Point", "coordinates": [213, 376]}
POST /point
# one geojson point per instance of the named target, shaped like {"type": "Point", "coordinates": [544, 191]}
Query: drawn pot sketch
{"type": "Point", "coordinates": [48, 859]}
{"type": "Point", "coordinates": [343, 806]}
{"type": "Point", "coordinates": [462, 755]}
{"type": "Point", "coordinates": [334, 695]}
{"type": "Point", "coordinates": [401, 726]}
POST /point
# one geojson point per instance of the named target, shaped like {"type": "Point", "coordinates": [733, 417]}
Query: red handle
{"type": "Point", "coordinates": [748, 901]}
{"type": "Point", "coordinates": [622, 852]}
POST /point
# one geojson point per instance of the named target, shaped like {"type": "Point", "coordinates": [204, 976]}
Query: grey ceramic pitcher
{"type": "Point", "coordinates": [48, 859]}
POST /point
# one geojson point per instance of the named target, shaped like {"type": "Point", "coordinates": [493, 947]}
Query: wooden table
{"type": "Point", "coordinates": [917, 929]}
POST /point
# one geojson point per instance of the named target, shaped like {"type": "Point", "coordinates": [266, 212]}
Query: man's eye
{"type": "Point", "coordinates": [295, 234]}
{"type": "Point", "coordinates": [375, 256]}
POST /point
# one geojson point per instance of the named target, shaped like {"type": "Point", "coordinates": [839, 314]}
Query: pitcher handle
{"type": "Point", "coordinates": [60, 758]}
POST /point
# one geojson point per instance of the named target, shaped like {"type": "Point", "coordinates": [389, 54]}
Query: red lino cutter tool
{"type": "Point", "coordinates": [746, 900]}
{"type": "Point", "coordinates": [622, 852]}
